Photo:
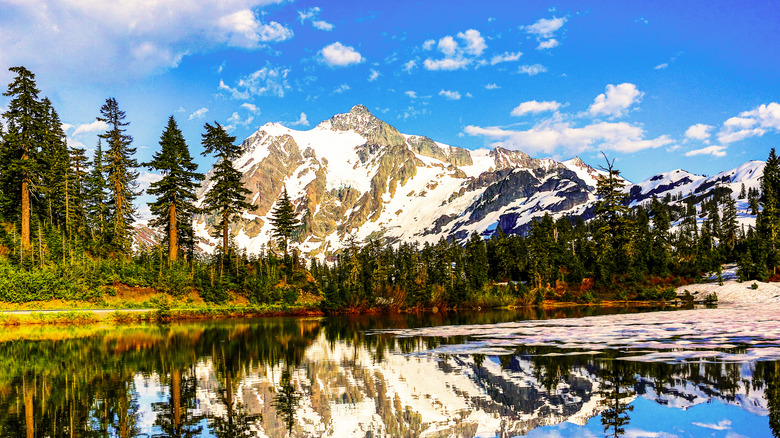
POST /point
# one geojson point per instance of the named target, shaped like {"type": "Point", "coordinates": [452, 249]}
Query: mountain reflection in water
{"type": "Point", "coordinates": [331, 377]}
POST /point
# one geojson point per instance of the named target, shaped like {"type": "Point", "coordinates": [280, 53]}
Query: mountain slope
{"type": "Point", "coordinates": [354, 178]}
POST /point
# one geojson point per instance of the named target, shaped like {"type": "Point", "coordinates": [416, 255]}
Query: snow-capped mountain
{"type": "Point", "coordinates": [354, 178]}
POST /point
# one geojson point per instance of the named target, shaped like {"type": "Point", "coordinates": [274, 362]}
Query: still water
{"type": "Point", "coordinates": [575, 372]}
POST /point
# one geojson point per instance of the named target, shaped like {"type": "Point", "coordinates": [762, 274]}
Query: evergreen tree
{"type": "Point", "coordinates": [613, 226]}
{"type": "Point", "coordinates": [96, 202]}
{"type": "Point", "coordinates": [742, 193]}
{"type": "Point", "coordinates": [284, 220]}
{"type": "Point", "coordinates": [768, 220]}
{"type": "Point", "coordinates": [227, 196]}
{"type": "Point", "coordinates": [121, 176]}
{"type": "Point", "coordinates": [76, 182]}
{"type": "Point", "coordinates": [54, 168]}
{"type": "Point", "coordinates": [175, 192]}
{"type": "Point", "coordinates": [25, 129]}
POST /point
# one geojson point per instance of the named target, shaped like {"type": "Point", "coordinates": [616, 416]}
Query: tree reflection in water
{"type": "Point", "coordinates": [219, 380]}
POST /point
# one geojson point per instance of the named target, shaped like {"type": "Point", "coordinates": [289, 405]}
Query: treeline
{"type": "Point", "coordinates": [67, 219]}
{"type": "Point", "coordinates": [67, 232]}
{"type": "Point", "coordinates": [623, 253]}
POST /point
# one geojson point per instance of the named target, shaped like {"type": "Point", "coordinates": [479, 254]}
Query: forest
{"type": "Point", "coordinates": [67, 233]}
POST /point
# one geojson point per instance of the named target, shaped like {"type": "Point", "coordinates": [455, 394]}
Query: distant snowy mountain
{"type": "Point", "coordinates": [356, 178]}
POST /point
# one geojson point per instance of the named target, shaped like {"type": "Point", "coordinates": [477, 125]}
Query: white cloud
{"type": "Point", "coordinates": [250, 107]}
{"type": "Point", "coordinates": [235, 119]}
{"type": "Point", "coordinates": [341, 88]}
{"type": "Point", "coordinates": [95, 126]}
{"type": "Point", "coordinates": [545, 27]}
{"type": "Point", "coordinates": [492, 86]}
{"type": "Point", "coordinates": [448, 46]}
{"type": "Point", "coordinates": [753, 123]}
{"type": "Point", "coordinates": [412, 94]}
{"type": "Point", "coordinates": [456, 55]}
{"type": "Point", "coordinates": [125, 39]}
{"type": "Point", "coordinates": [534, 107]}
{"type": "Point", "coordinates": [547, 44]}
{"type": "Point", "coordinates": [715, 151]}
{"type": "Point", "coordinates": [302, 121]}
{"type": "Point", "coordinates": [373, 76]}
{"type": "Point", "coordinates": [699, 131]}
{"type": "Point", "coordinates": [410, 65]}
{"type": "Point", "coordinates": [146, 178]}
{"type": "Point", "coordinates": [312, 14]}
{"type": "Point", "coordinates": [475, 43]}
{"type": "Point", "coordinates": [266, 81]}
{"type": "Point", "coordinates": [661, 66]}
{"type": "Point", "coordinates": [532, 70]}
{"type": "Point", "coordinates": [65, 126]}
{"type": "Point", "coordinates": [446, 64]}
{"type": "Point", "coordinates": [451, 95]}
{"type": "Point", "coordinates": [554, 134]}
{"type": "Point", "coordinates": [721, 425]}
{"type": "Point", "coordinates": [428, 44]}
{"type": "Point", "coordinates": [339, 55]}
{"type": "Point", "coordinates": [616, 100]}
{"type": "Point", "coordinates": [505, 57]}
{"type": "Point", "coordinates": [199, 114]}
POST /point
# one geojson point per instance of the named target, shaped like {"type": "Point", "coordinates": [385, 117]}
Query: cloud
{"type": "Point", "coordinates": [753, 123]}
{"type": "Point", "coordinates": [451, 95]}
{"type": "Point", "coordinates": [557, 135]}
{"type": "Point", "coordinates": [312, 14]}
{"type": "Point", "coordinates": [373, 76]}
{"type": "Point", "coordinates": [446, 64]}
{"type": "Point", "coordinates": [545, 27]}
{"type": "Point", "coordinates": [715, 151]}
{"type": "Point", "coordinates": [532, 70]}
{"type": "Point", "coordinates": [412, 94]}
{"type": "Point", "coordinates": [268, 80]}
{"type": "Point", "coordinates": [661, 66]}
{"type": "Point", "coordinates": [699, 131]}
{"type": "Point", "coordinates": [721, 425]}
{"type": "Point", "coordinates": [252, 108]}
{"type": "Point", "coordinates": [302, 121]}
{"type": "Point", "coordinates": [505, 57]}
{"type": "Point", "coordinates": [235, 119]}
{"type": "Point", "coordinates": [122, 40]}
{"type": "Point", "coordinates": [410, 65]}
{"type": "Point", "coordinates": [547, 44]}
{"type": "Point", "coordinates": [341, 88]}
{"type": "Point", "coordinates": [86, 128]}
{"type": "Point", "coordinates": [339, 55]}
{"type": "Point", "coordinates": [199, 114]}
{"type": "Point", "coordinates": [534, 107]}
{"type": "Point", "coordinates": [146, 178]}
{"type": "Point", "coordinates": [616, 100]}
{"type": "Point", "coordinates": [492, 86]}
{"type": "Point", "coordinates": [475, 44]}
{"type": "Point", "coordinates": [456, 55]}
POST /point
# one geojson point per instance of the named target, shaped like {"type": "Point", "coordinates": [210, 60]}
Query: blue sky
{"type": "Point", "coordinates": [658, 85]}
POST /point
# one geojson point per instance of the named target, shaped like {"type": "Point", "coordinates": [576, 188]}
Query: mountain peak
{"type": "Point", "coordinates": [359, 110]}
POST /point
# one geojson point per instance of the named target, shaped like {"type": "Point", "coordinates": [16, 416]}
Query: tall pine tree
{"type": "Point", "coordinates": [284, 220]}
{"type": "Point", "coordinates": [96, 203]}
{"type": "Point", "coordinates": [25, 128]}
{"type": "Point", "coordinates": [227, 196]}
{"type": "Point", "coordinates": [175, 192]}
{"type": "Point", "coordinates": [121, 175]}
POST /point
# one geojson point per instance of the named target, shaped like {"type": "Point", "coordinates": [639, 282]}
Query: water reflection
{"type": "Point", "coordinates": [331, 377]}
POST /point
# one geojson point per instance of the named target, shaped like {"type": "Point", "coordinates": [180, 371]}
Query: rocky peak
{"type": "Point", "coordinates": [359, 119]}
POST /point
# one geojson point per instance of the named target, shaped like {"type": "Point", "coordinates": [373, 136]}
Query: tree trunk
{"type": "Point", "coordinates": [26, 247]}
{"type": "Point", "coordinates": [173, 235]}
{"type": "Point", "coordinates": [225, 236]}
{"type": "Point", "coordinates": [176, 398]}
{"type": "Point", "coordinates": [29, 421]}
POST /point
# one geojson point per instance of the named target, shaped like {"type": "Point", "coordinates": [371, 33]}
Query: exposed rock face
{"type": "Point", "coordinates": [355, 177]}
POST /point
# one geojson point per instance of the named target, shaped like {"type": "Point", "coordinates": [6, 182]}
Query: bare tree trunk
{"type": "Point", "coordinates": [173, 235]}
{"type": "Point", "coordinates": [26, 246]}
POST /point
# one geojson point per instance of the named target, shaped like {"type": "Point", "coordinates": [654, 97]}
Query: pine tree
{"type": "Point", "coordinates": [175, 192]}
{"type": "Point", "coordinates": [121, 176]}
{"type": "Point", "coordinates": [227, 196]}
{"type": "Point", "coordinates": [768, 220]}
{"type": "Point", "coordinates": [742, 193]}
{"type": "Point", "coordinates": [284, 220]}
{"type": "Point", "coordinates": [54, 168]}
{"type": "Point", "coordinates": [76, 193]}
{"type": "Point", "coordinates": [614, 226]}
{"type": "Point", "coordinates": [24, 131]}
{"type": "Point", "coordinates": [97, 198]}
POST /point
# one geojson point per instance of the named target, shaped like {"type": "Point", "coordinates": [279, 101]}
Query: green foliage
{"type": "Point", "coordinates": [284, 220]}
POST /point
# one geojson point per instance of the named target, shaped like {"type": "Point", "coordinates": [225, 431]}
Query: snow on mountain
{"type": "Point", "coordinates": [356, 178]}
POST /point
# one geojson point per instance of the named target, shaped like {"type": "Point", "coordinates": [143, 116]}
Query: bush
{"type": "Point", "coordinates": [754, 286]}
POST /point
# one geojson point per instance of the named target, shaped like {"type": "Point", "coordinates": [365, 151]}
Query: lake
{"type": "Point", "coordinates": [566, 372]}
